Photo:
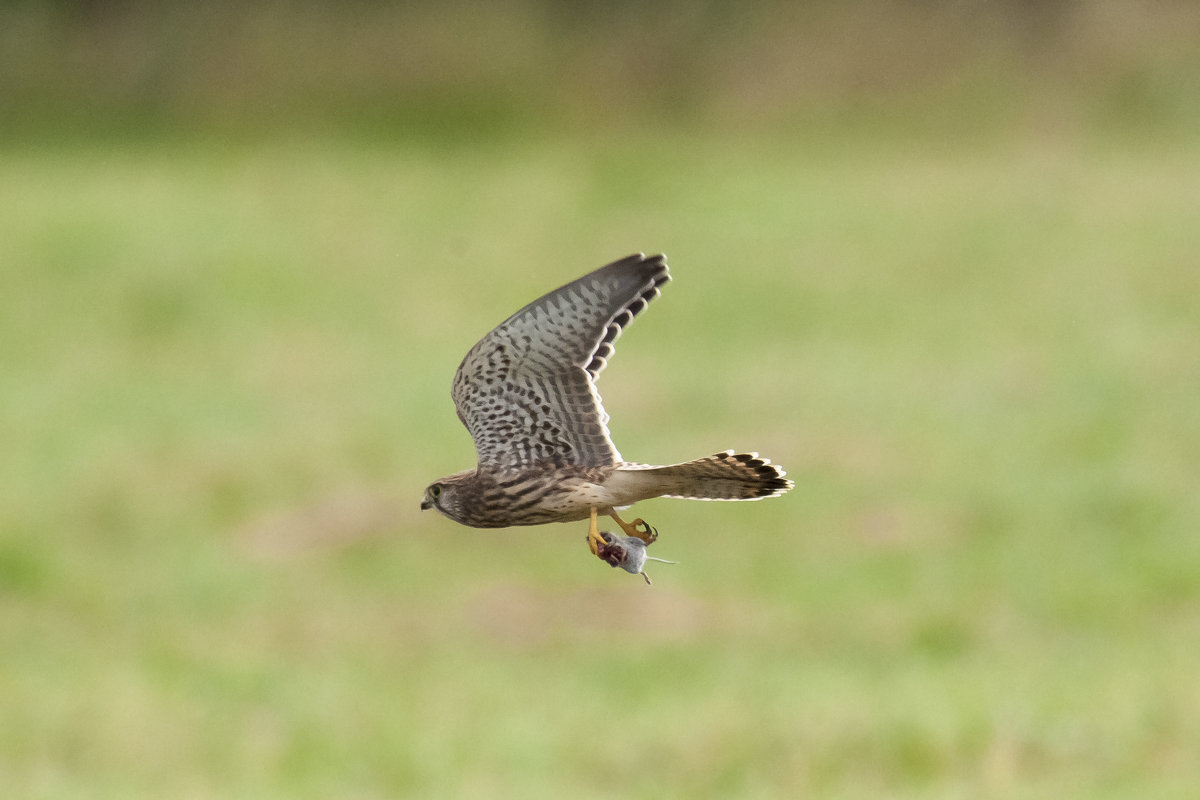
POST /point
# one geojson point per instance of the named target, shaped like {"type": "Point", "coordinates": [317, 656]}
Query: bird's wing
{"type": "Point", "coordinates": [526, 392]}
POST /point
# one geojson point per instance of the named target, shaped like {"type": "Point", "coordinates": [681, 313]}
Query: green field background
{"type": "Point", "coordinates": [938, 260]}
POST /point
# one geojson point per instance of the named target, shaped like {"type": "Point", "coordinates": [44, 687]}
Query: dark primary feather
{"type": "Point", "coordinates": [526, 391]}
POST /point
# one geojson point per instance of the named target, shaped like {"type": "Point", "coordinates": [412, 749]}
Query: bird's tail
{"type": "Point", "coordinates": [721, 476]}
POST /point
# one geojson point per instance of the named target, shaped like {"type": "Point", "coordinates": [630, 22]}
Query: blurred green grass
{"type": "Point", "coordinates": [938, 260]}
{"type": "Point", "coordinates": [226, 382]}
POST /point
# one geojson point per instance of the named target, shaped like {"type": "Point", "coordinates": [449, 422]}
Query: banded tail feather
{"type": "Point", "coordinates": [722, 476]}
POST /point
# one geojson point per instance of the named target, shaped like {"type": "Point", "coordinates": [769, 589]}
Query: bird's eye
{"type": "Point", "coordinates": [435, 491]}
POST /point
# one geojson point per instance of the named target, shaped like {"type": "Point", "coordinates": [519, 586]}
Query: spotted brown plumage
{"type": "Point", "coordinates": [526, 392]}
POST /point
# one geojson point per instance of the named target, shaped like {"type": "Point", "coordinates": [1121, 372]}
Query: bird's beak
{"type": "Point", "coordinates": [426, 505]}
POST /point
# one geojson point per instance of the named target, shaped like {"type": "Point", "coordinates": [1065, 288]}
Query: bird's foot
{"type": "Point", "coordinates": [639, 528]}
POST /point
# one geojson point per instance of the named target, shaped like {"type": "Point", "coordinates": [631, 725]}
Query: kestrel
{"type": "Point", "coordinates": [526, 392]}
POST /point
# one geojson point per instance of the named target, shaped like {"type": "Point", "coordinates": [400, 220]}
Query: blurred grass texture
{"type": "Point", "coordinates": [937, 259]}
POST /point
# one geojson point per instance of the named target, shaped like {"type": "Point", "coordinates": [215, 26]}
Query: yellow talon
{"type": "Point", "coordinates": [638, 528]}
{"type": "Point", "coordinates": [594, 539]}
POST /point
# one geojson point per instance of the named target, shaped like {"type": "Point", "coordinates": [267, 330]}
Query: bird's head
{"type": "Point", "coordinates": [447, 495]}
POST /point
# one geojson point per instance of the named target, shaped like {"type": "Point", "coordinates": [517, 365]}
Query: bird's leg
{"type": "Point", "coordinates": [635, 528]}
{"type": "Point", "coordinates": [594, 539]}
